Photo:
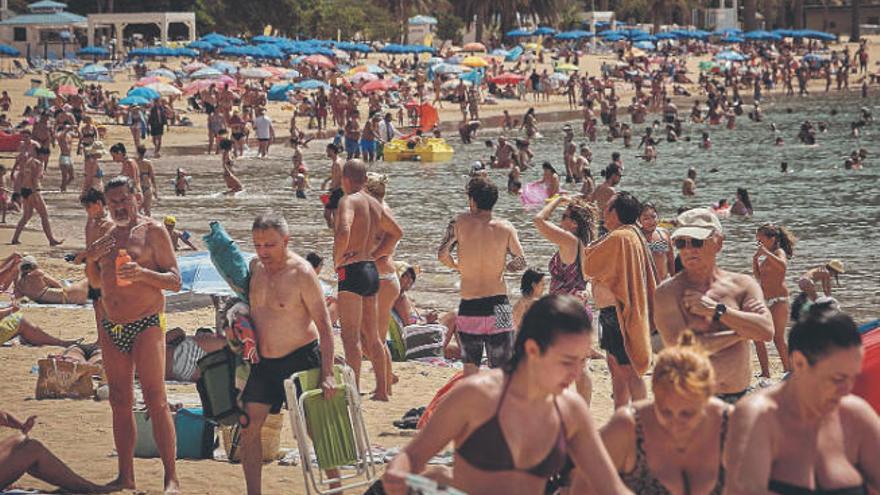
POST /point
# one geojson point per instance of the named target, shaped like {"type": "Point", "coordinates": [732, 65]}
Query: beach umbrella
{"type": "Point", "coordinates": [454, 84]}
{"type": "Point", "coordinates": [311, 84]}
{"type": "Point", "coordinates": [816, 57]}
{"type": "Point", "coordinates": [164, 89]}
{"type": "Point", "coordinates": [666, 36]}
{"type": "Point", "coordinates": [730, 56]}
{"type": "Point", "coordinates": [66, 89]}
{"type": "Point", "coordinates": [93, 69]}
{"type": "Point", "coordinates": [645, 45]}
{"type": "Point", "coordinates": [9, 51]}
{"type": "Point", "coordinates": [762, 36]}
{"type": "Point", "coordinates": [278, 91]}
{"type": "Point", "coordinates": [199, 276]}
{"type": "Point", "coordinates": [348, 46]}
{"type": "Point", "coordinates": [371, 68]}
{"type": "Point", "coordinates": [64, 78]}
{"type": "Point", "coordinates": [507, 78]}
{"type": "Point", "coordinates": [559, 77]}
{"type": "Point", "coordinates": [166, 73]}
{"type": "Point", "coordinates": [518, 33]}
{"type": "Point", "coordinates": [817, 35]}
{"type": "Point", "coordinates": [224, 67]}
{"type": "Point", "coordinates": [150, 80]}
{"type": "Point", "coordinates": [445, 68]}
{"type": "Point", "coordinates": [474, 47]}
{"type": "Point", "coordinates": [40, 93]}
{"type": "Point", "coordinates": [291, 74]}
{"type": "Point", "coordinates": [193, 66]}
{"type": "Point", "coordinates": [567, 68]}
{"type": "Point", "coordinates": [362, 77]}
{"type": "Point", "coordinates": [474, 62]}
{"type": "Point", "coordinates": [254, 73]}
{"type": "Point", "coordinates": [379, 85]}
{"type": "Point", "coordinates": [573, 35]}
{"type": "Point", "coordinates": [93, 51]}
{"type": "Point", "coordinates": [200, 45]}
{"type": "Point", "coordinates": [732, 39]}
{"type": "Point", "coordinates": [708, 65]}
{"type": "Point", "coordinates": [206, 73]}
{"type": "Point", "coordinates": [544, 31]}
{"type": "Point", "coordinates": [200, 85]}
{"type": "Point", "coordinates": [144, 92]}
{"type": "Point", "coordinates": [320, 61]}
{"type": "Point", "coordinates": [500, 52]}
{"type": "Point", "coordinates": [129, 101]}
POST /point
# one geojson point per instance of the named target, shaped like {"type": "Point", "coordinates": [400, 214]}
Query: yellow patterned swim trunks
{"type": "Point", "coordinates": [9, 326]}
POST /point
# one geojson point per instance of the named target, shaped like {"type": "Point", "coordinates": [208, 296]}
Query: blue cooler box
{"type": "Point", "coordinates": [195, 435]}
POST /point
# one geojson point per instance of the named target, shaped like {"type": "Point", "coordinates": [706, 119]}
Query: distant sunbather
{"type": "Point", "coordinates": [40, 287]}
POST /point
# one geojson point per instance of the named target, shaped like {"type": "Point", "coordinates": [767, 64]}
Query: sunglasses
{"type": "Point", "coordinates": [682, 243]}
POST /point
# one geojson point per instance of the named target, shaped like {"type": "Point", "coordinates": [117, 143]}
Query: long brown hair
{"type": "Point", "coordinates": [584, 215]}
{"type": "Point", "coordinates": [785, 240]}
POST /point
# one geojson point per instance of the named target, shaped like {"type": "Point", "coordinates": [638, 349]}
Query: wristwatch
{"type": "Point", "coordinates": [720, 309]}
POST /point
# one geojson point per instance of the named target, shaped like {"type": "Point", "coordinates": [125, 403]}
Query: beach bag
{"type": "Point", "coordinates": [61, 379]}
{"type": "Point", "coordinates": [195, 435]}
{"type": "Point", "coordinates": [424, 340]}
{"type": "Point", "coordinates": [270, 437]}
{"type": "Point", "coordinates": [216, 387]}
{"type": "Point", "coordinates": [228, 259]}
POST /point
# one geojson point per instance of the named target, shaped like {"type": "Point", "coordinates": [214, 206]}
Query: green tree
{"type": "Point", "coordinates": [449, 27]}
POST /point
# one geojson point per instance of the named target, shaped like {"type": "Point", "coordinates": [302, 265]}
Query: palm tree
{"type": "Point", "coordinates": [855, 31]}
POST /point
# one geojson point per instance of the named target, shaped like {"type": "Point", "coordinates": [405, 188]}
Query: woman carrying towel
{"type": "Point", "coordinates": [516, 429]}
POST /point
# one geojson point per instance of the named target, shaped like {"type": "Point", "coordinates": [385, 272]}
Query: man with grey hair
{"type": "Point", "coordinates": [724, 309]}
{"type": "Point", "coordinates": [360, 221]}
{"type": "Point", "coordinates": [293, 333]}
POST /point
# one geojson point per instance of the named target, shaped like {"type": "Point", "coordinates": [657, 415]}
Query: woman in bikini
{"type": "Point", "coordinates": [389, 284]}
{"type": "Point", "coordinates": [93, 174]}
{"type": "Point", "coordinates": [658, 242]}
{"type": "Point", "coordinates": [40, 287]}
{"type": "Point", "coordinates": [516, 429]}
{"type": "Point", "coordinates": [576, 229]}
{"type": "Point", "coordinates": [808, 435]}
{"type": "Point", "coordinates": [88, 134]}
{"type": "Point", "coordinates": [136, 123]}
{"type": "Point", "coordinates": [237, 129]}
{"type": "Point", "coordinates": [775, 245]}
{"type": "Point", "coordinates": [149, 191]}
{"type": "Point", "coordinates": [673, 444]}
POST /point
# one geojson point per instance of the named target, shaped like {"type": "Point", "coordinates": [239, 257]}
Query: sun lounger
{"type": "Point", "coordinates": [333, 428]}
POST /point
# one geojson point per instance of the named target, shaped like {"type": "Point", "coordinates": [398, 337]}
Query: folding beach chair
{"type": "Point", "coordinates": [333, 428]}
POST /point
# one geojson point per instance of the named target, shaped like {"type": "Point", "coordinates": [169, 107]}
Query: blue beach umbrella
{"type": "Point", "coordinates": [9, 51]}
{"type": "Point", "coordinates": [573, 35]}
{"type": "Point", "coordinates": [93, 69]}
{"type": "Point", "coordinates": [311, 84]}
{"type": "Point", "coordinates": [645, 45]}
{"type": "Point", "coordinates": [730, 56]}
{"type": "Point", "coordinates": [199, 276]}
{"type": "Point", "coordinates": [544, 31]}
{"type": "Point", "coordinates": [93, 51]}
{"type": "Point", "coordinates": [200, 45]}
{"type": "Point", "coordinates": [134, 100]}
{"type": "Point", "coordinates": [144, 92]}
{"type": "Point", "coordinates": [224, 67]}
{"type": "Point", "coordinates": [518, 33]}
{"type": "Point", "coordinates": [163, 73]}
{"type": "Point", "coordinates": [206, 73]}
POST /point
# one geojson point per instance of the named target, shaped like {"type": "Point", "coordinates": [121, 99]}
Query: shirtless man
{"type": "Point", "coordinates": [293, 333]}
{"type": "Point", "coordinates": [689, 185]}
{"type": "Point", "coordinates": [483, 243]}
{"type": "Point", "coordinates": [352, 136]}
{"type": "Point", "coordinates": [604, 191]}
{"type": "Point", "coordinates": [129, 166]}
{"type": "Point", "coordinates": [569, 150]}
{"type": "Point", "coordinates": [725, 310]}
{"type": "Point", "coordinates": [133, 324]}
{"type": "Point", "coordinates": [64, 137]}
{"type": "Point", "coordinates": [670, 111]}
{"type": "Point", "coordinates": [360, 221]}
{"type": "Point", "coordinates": [504, 153]}
{"type": "Point", "coordinates": [30, 173]}
{"type": "Point", "coordinates": [43, 135]}
{"type": "Point", "coordinates": [335, 187]}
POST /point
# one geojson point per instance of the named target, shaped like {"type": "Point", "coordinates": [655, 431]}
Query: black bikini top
{"type": "Point", "coordinates": [487, 449]}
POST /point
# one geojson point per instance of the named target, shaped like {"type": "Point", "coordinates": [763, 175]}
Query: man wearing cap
{"type": "Point", "coordinates": [725, 310]}
{"type": "Point", "coordinates": [177, 236]}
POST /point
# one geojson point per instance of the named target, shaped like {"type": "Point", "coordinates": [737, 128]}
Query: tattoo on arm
{"type": "Point", "coordinates": [449, 241]}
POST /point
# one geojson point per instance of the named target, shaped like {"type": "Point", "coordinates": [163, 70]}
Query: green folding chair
{"type": "Point", "coordinates": [333, 428]}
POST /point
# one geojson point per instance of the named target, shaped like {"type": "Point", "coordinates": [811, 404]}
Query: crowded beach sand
{"type": "Point", "coordinates": [79, 431]}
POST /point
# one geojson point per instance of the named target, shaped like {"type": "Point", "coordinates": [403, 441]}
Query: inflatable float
{"type": "Point", "coordinates": [429, 150]}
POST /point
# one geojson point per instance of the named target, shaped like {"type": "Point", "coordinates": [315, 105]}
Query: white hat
{"type": "Point", "coordinates": [699, 223]}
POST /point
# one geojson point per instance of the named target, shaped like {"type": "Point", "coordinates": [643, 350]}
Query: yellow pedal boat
{"type": "Point", "coordinates": [431, 150]}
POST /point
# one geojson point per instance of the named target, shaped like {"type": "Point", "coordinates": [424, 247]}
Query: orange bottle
{"type": "Point", "coordinates": [121, 259]}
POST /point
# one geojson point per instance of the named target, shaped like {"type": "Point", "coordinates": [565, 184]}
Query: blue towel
{"type": "Point", "coordinates": [228, 259]}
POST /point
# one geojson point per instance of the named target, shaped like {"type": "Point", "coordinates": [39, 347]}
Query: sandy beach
{"type": "Point", "coordinates": [80, 432]}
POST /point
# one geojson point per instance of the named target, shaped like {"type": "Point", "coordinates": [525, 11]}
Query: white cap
{"type": "Point", "coordinates": [699, 223]}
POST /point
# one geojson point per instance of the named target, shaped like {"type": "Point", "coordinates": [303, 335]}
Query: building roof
{"type": "Point", "coordinates": [56, 18]}
{"type": "Point", "coordinates": [422, 20]}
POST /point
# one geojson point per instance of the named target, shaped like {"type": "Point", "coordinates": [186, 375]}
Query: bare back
{"type": "Point", "coordinates": [365, 214]}
{"type": "Point", "coordinates": [483, 244]}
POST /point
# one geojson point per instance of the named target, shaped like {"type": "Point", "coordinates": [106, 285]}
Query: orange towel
{"type": "Point", "coordinates": [621, 262]}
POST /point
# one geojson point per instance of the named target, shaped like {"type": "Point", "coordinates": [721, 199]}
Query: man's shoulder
{"type": "Point", "coordinates": [671, 286]}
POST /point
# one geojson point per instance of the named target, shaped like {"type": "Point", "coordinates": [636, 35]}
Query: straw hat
{"type": "Point", "coordinates": [96, 149]}
{"type": "Point", "coordinates": [837, 266]}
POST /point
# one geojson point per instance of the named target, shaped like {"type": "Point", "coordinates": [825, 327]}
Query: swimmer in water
{"type": "Point", "coordinates": [705, 141]}
{"type": "Point", "coordinates": [779, 141]}
{"type": "Point", "coordinates": [783, 167]}
{"type": "Point", "coordinates": [689, 186]}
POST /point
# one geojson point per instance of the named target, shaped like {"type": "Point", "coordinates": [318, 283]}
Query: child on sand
{"type": "Point", "coordinates": [181, 183]}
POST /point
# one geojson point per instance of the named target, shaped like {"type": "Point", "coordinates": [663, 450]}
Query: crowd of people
{"type": "Point", "coordinates": [707, 427]}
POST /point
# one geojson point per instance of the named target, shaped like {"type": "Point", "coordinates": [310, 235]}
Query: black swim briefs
{"type": "Point", "coordinates": [335, 196]}
{"type": "Point", "coordinates": [361, 277]}
{"type": "Point", "coordinates": [612, 336]}
{"type": "Point", "coordinates": [265, 384]}
{"type": "Point", "coordinates": [26, 192]}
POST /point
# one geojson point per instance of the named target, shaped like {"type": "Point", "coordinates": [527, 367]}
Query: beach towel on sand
{"type": "Point", "coordinates": [620, 261]}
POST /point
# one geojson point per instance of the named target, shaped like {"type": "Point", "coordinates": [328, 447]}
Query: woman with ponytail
{"type": "Point", "coordinates": [775, 245]}
{"type": "Point", "coordinates": [674, 443]}
{"type": "Point", "coordinates": [515, 429]}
